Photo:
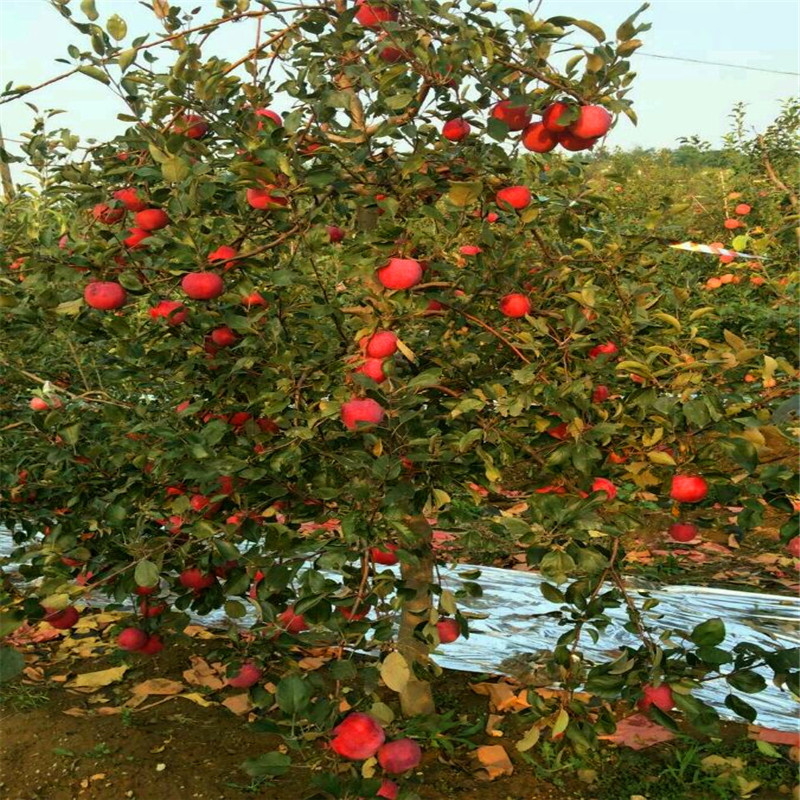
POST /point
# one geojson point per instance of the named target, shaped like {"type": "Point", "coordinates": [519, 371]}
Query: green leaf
{"type": "Point", "coordinates": [95, 72]}
{"type": "Point", "coordinates": [88, 8]}
{"type": "Point", "coordinates": [747, 681]}
{"type": "Point", "coordinates": [738, 706]}
{"type": "Point", "coordinates": [71, 434]}
{"type": "Point", "coordinates": [11, 663]}
{"type": "Point", "coordinates": [591, 28]}
{"type": "Point", "coordinates": [146, 573]}
{"type": "Point", "coordinates": [464, 192]}
{"type": "Point", "coordinates": [400, 100]}
{"type": "Point", "coordinates": [395, 671]}
{"type": "Point", "coordinates": [117, 27]}
{"type": "Point", "coordinates": [126, 58]}
{"type": "Point", "coordinates": [709, 633]}
{"type": "Point", "coordinates": [268, 764]}
{"type": "Point", "coordinates": [293, 695]}
{"type": "Point", "coordinates": [175, 169]}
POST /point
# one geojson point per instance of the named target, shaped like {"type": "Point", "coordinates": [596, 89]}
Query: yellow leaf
{"type": "Point", "coordinates": [733, 340]}
{"type": "Point", "coordinates": [700, 312]}
{"type": "Point", "coordinates": [661, 458]}
{"type": "Point", "coordinates": [395, 672]}
{"type": "Point", "coordinates": [368, 767]}
{"type": "Point", "coordinates": [562, 720]}
{"type": "Point", "coordinates": [649, 439]}
{"type": "Point", "coordinates": [195, 697]}
{"type": "Point", "coordinates": [529, 739]}
{"type": "Point", "coordinates": [669, 319]}
{"type": "Point", "coordinates": [406, 351]}
{"type": "Point", "coordinates": [160, 686]}
{"type": "Point", "coordinates": [465, 192]}
{"type": "Point", "coordinates": [97, 679]}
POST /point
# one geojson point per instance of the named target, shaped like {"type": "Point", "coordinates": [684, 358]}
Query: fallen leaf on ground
{"type": "Point", "coordinates": [311, 663]}
{"type": "Point", "coordinates": [492, 722]}
{"type": "Point", "coordinates": [492, 762]}
{"type": "Point", "coordinates": [76, 712]}
{"type": "Point", "coordinates": [109, 711]}
{"type": "Point", "coordinates": [638, 732]}
{"type": "Point", "coordinates": [639, 556]}
{"type": "Point", "coordinates": [203, 674]}
{"type": "Point", "coordinates": [713, 547]}
{"type": "Point", "coordinates": [790, 738]}
{"type": "Point", "coordinates": [239, 704]}
{"type": "Point", "coordinates": [35, 674]}
{"type": "Point", "coordinates": [502, 696]}
{"type": "Point", "coordinates": [199, 632]}
{"type": "Point", "coordinates": [158, 686]}
{"type": "Point", "coordinates": [95, 680]}
{"type": "Point", "coordinates": [195, 697]}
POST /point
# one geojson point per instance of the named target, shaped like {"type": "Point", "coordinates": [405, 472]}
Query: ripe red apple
{"type": "Point", "coordinates": [551, 115]}
{"type": "Point", "coordinates": [202, 285]}
{"type": "Point", "coordinates": [358, 411]}
{"type": "Point", "coordinates": [400, 273]}
{"type": "Point", "coordinates": [335, 234]}
{"type": "Point", "coordinates": [374, 15]}
{"type": "Point", "coordinates": [658, 696]}
{"type": "Point", "coordinates": [248, 675]}
{"type": "Point", "coordinates": [104, 295]}
{"type": "Point", "coordinates": [132, 639]}
{"type": "Point", "coordinates": [146, 610]}
{"type": "Point", "coordinates": [515, 305]}
{"type": "Point", "coordinates": [733, 224]}
{"type": "Point", "coordinates": [373, 368]}
{"type": "Point", "coordinates": [381, 344]}
{"type": "Point", "coordinates": [152, 219]}
{"type": "Point", "coordinates": [569, 141]}
{"type": "Point", "coordinates": [194, 579]}
{"type": "Point", "coordinates": [793, 547]}
{"type": "Point", "coordinates": [269, 114]}
{"type": "Point", "coordinates": [391, 55]}
{"type": "Point", "coordinates": [449, 630]}
{"type": "Point", "coordinates": [538, 139]}
{"type": "Point", "coordinates": [688, 488]}
{"type": "Point", "coordinates": [130, 199]}
{"type": "Point", "coordinates": [138, 235]}
{"type": "Point", "coordinates": [742, 209]}
{"type": "Point", "coordinates": [385, 555]}
{"type": "Point", "coordinates": [174, 311]}
{"type": "Point", "coordinates": [358, 737]}
{"type": "Point", "coordinates": [39, 404]}
{"type": "Point", "coordinates": [682, 532]}
{"type": "Point", "coordinates": [470, 250]}
{"type": "Point", "coordinates": [559, 432]}
{"type": "Point", "coordinates": [223, 336]}
{"type": "Point", "coordinates": [192, 126]}
{"type": "Point", "coordinates": [492, 216]}
{"type": "Point", "coordinates": [399, 756]}
{"type": "Point", "coordinates": [152, 646]}
{"type": "Point", "coordinates": [291, 622]}
{"type": "Point", "coordinates": [263, 198]}
{"type": "Point", "coordinates": [388, 790]}
{"type": "Point", "coordinates": [145, 591]}
{"type": "Point", "coordinates": [600, 393]}
{"type": "Point", "coordinates": [592, 123]}
{"type": "Point", "coordinates": [516, 117]}
{"type": "Point", "coordinates": [223, 253]}
{"type": "Point", "coordinates": [107, 215]}
{"type": "Point", "coordinates": [456, 129]}
{"type": "Point", "coordinates": [604, 485]}
{"type": "Point", "coordinates": [254, 299]}
{"type": "Point", "coordinates": [516, 197]}
{"type": "Point", "coordinates": [63, 619]}
{"type": "Point", "coordinates": [605, 349]}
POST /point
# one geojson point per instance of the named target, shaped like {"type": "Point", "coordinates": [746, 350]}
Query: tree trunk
{"type": "Point", "coordinates": [417, 697]}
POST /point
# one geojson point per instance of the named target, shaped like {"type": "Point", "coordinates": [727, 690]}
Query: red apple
{"type": "Point", "coordinates": [391, 55]}
{"type": "Point", "coordinates": [449, 630]}
{"type": "Point", "coordinates": [515, 305]}
{"type": "Point", "coordinates": [132, 639]}
{"type": "Point", "coordinates": [223, 253]}
{"type": "Point", "coordinates": [196, 580]}
{"type": "Point", "coordinates": [192, 126]}
{"type": "Point", "coordinates": [357, 411]}
{"type": "Point", "coordinates": [399, 756]}
{"type": "Point", "coordinates": [559, 432]}
{"type": "Point", "coordinates": [358, 737]}
{"type": "Point", "coordinates": [202, 285]}
{"type": "Point", "coordinates": [492, 216]}
{"type": "Point", "coordinates": [600, 393]}
{"type": "Point", "coordinates": [254, 299]}
{"type": "Point", "coordinates": [138, 235]}
{"type": "Point", "coordinates": [742, 209]}
{"type": "Point", "coordinates": [385, 555]}
{"type": "Point", "coordinates": [538, 139]}
{"type": "Point", "coordinates": [152, 219]}
{"type": "Point", "coordinates": [682, 532]}
{"type": "Point", "coordinates": [456, 129]}
{"type": "Point", "coordinates": [604, 485]}
{"type": "Point", "coordinates": [104, 295]}
{"type": "Point", "coordinates": [39, 404]}
{"type": "Point", "coordinates": [606, 349]}
{"type": "Point", "coordinates": [269, 114]}
{"type": "Point", "coordinates": [592, 123]}
{"type": "Point", "coordinates": [552, 114]}
{"type": "Point", "coordinates": [793, 547]}
{"type": "Point", "coordinates": [108, 216]}
{"type": "Point", "coordinates": [145, 591]}
{"type": "Point", "coordinates": [470, 250]}
{"type": "Point", "coordinates": [335, 234]}
{"type": "Point", "coordinates": [389, 790]}
{"type": "Point", "coordinates": [63, 619]}
{"type": "Point", "coordinates": [248, 675]}
{"type": "Point", "coordinates": [223, 336]}
{"type": "Point", "coordinates": [152, 646]}
{"type": "Point", "coordinates": [130, 199]}
{"type": "Point", "coordinates": [147, 611]}
{"type": "Point", "coordinates": [374, 15]}
{"type": "Point", "coordinates": [658, 696]}
{"type": "Point", "coordinates": [516, 117]}
{"type": "Point", "coordinates": [373, 368]}
{"type": "Point", "coordinates": [263, 198]}
{"type": "Point", "coordinates": [516, 197]}
{"type": "Point", "coordinates": [400, 273]}
{"type": "Point", "coordinates": [569, 141]}
{"type": "Point", "coordinates": [291, 622]}
{"type": "Point", "coordinates": [381, 344]}
{"type": "Point", "coordinates": [174, 312]}
{"type": "Point", "coordinates": [733, 224]}
{"type": "Point", "coordinates": [688, 488]}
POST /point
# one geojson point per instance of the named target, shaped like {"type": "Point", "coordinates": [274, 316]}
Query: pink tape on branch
{"type": "Point", "coordinates": [693, 247]}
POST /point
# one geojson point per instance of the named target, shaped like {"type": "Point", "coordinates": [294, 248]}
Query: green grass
{"type": "Point", "coordinates": [17, 696]}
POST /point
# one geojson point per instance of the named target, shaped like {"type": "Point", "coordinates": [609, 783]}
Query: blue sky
{"type": "Point", "coordinates": [672, 98]}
